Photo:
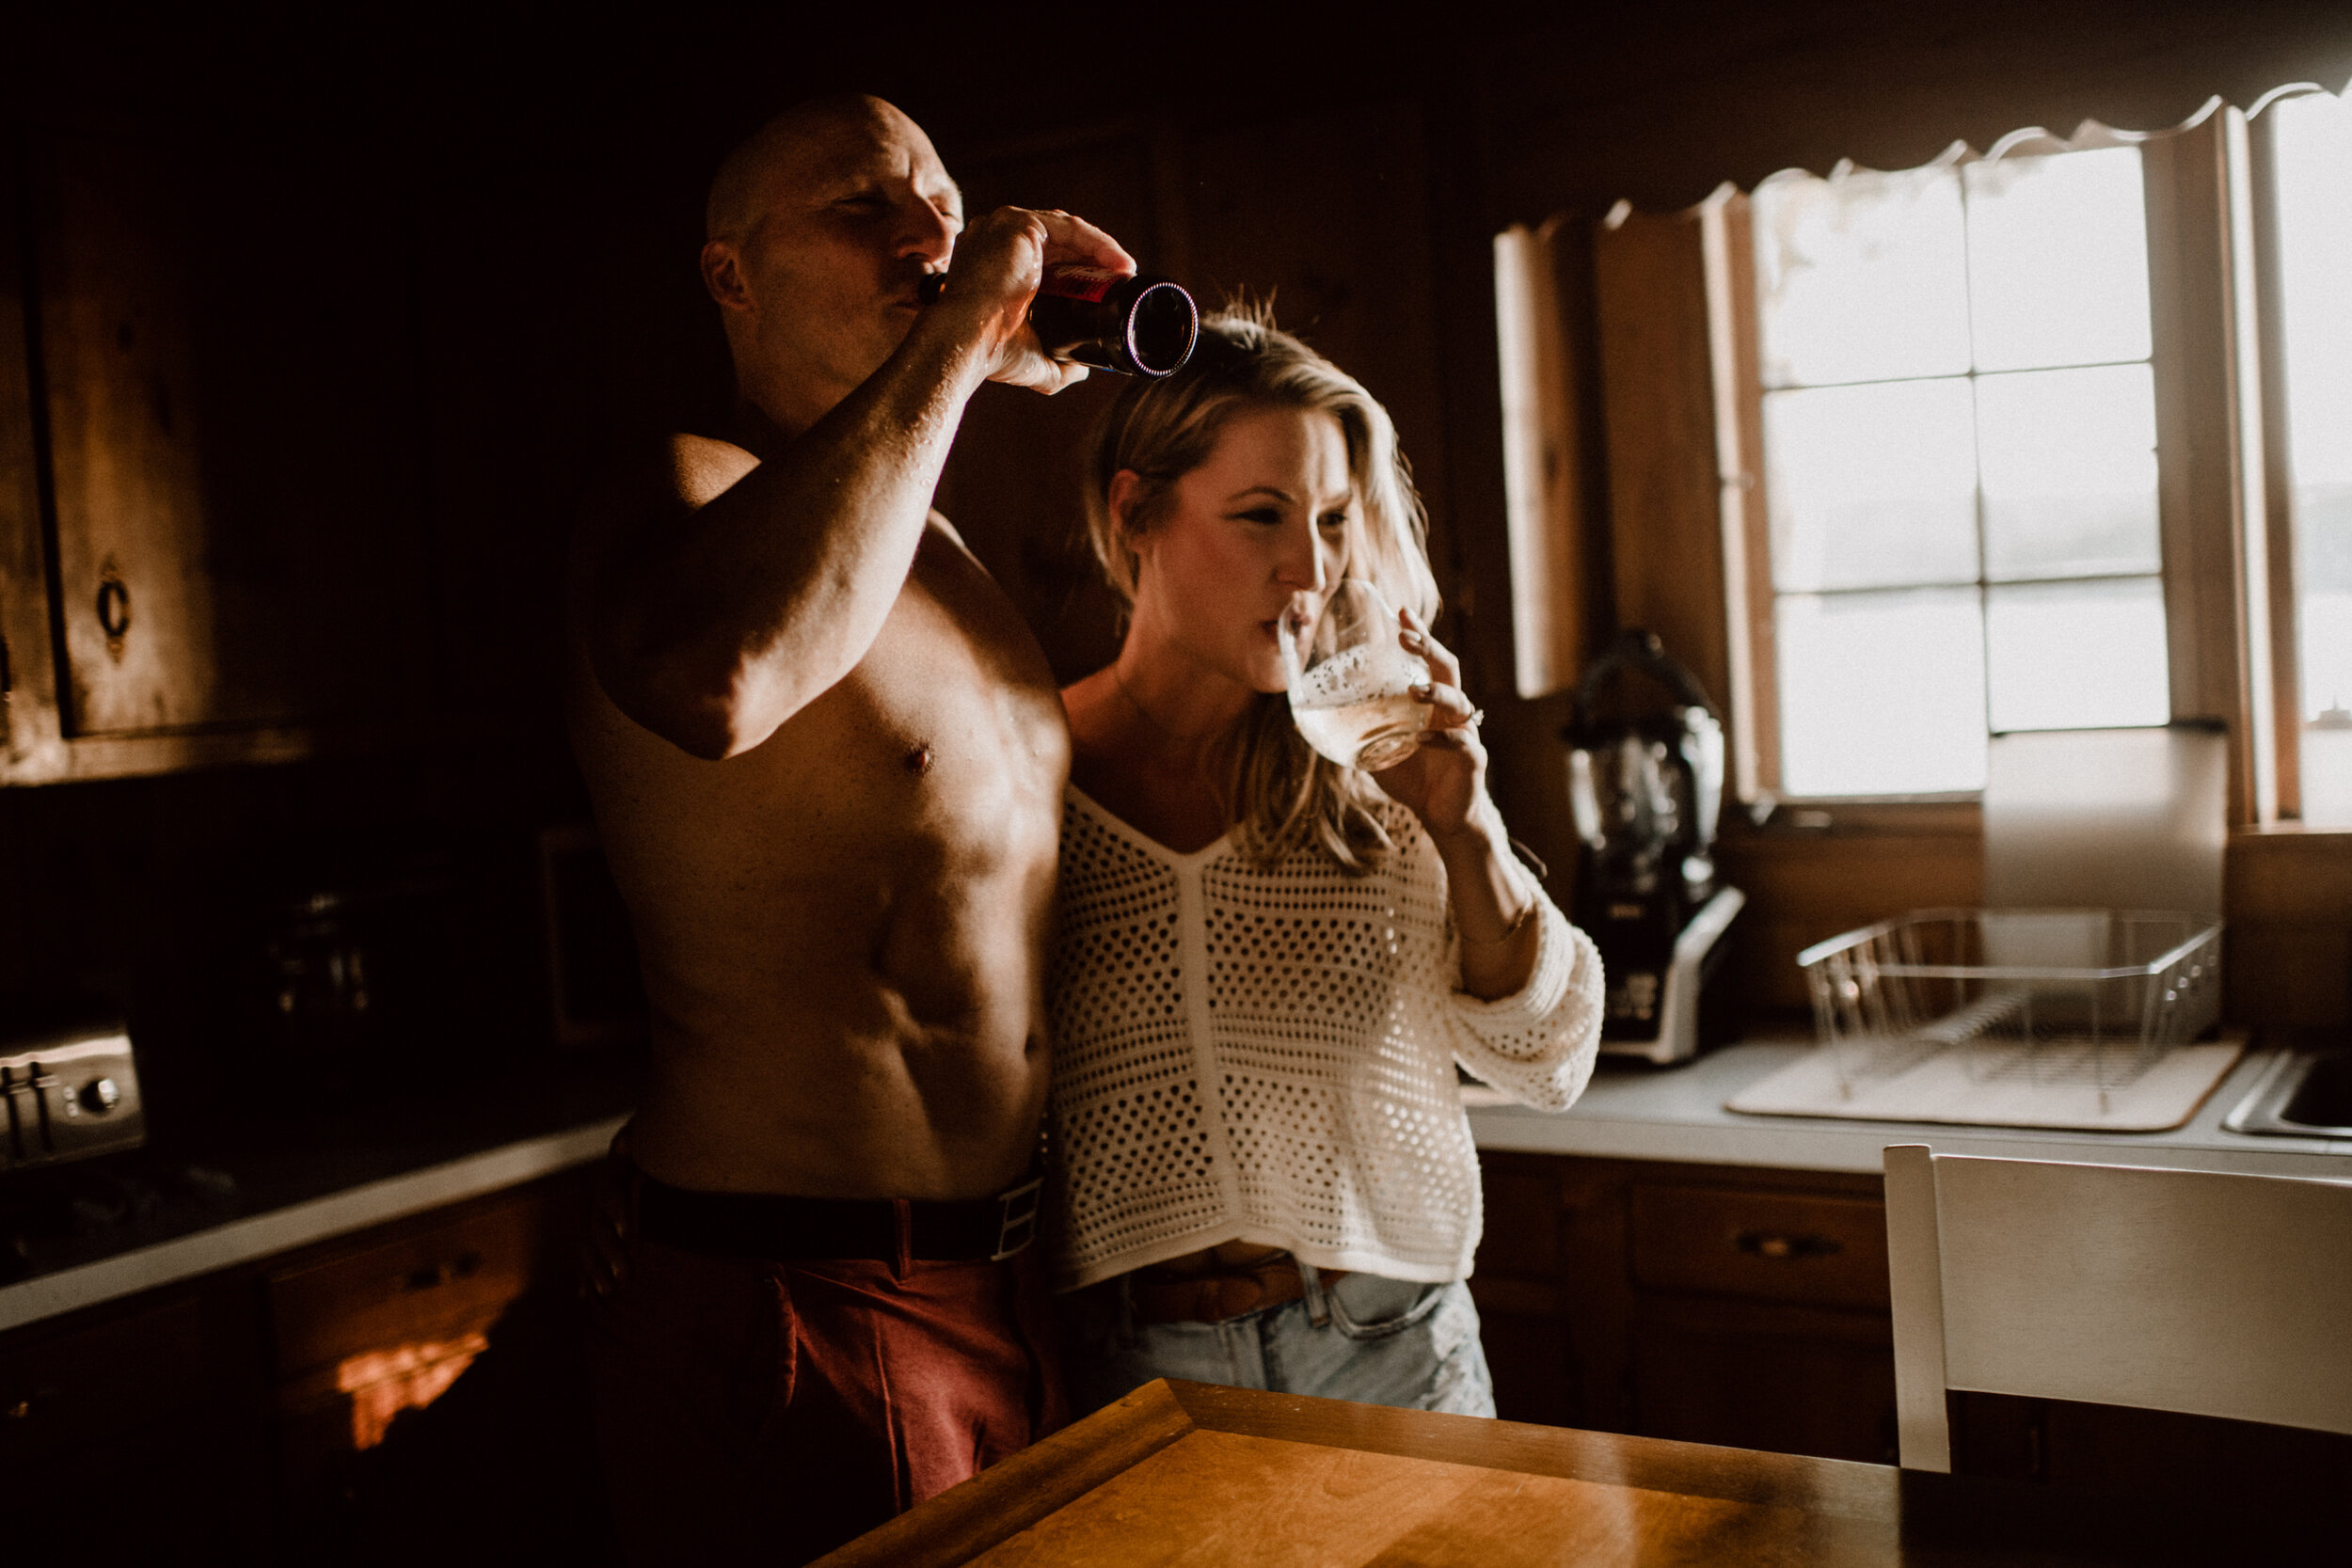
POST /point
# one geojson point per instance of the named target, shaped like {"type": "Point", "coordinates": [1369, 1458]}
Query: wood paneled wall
{"type": "Point", "coordinates": [2287, 954]}
{"type": "Point", "coordinates": [1360, 171]}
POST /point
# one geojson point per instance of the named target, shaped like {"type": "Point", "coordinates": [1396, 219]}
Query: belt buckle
{"type": "Point", "coordinates": [1016, 1212]}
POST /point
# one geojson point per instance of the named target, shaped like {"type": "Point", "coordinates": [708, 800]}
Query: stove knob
{"type": "Point", "coordinates": [100, 1095]}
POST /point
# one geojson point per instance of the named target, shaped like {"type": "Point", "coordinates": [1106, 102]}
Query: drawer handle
{"type": "Point", "coordinates": [430, 1276]}
{"type": "Point", "coordinates": [1780, 1246]}
{"type": "Point", "coordinates": [114, 607]}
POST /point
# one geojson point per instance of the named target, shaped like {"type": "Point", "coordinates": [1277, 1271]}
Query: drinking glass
{"type": "Point", "coordinates": [1350, 681]}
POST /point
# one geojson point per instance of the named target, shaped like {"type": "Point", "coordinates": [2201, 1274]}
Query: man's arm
{"type": "Point", "coordinates": [713, 617]}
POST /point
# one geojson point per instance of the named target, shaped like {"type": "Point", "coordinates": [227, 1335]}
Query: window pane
{"type": "Point", "coordinates": [2314, 172]}
{"type": "Point", "coordinates": [2327, 668]}
{"type": "Point", "coordinates": [2325, 623]}
{"type": "Point", "coordinates": [2077, 656]}
{"type": "Point", "coordinates": [2328, 770]}
{"type": "Point", "coordinates": [1872, 486]}
{"type": "Point", "coordinates": [2069, 459]}
{"type": "Point", "coordinates": [1861, 278]}
{"type": "Point", "coordinates": [1881, 693]}
{"type": "Point", "coordinates": [2058, 260]}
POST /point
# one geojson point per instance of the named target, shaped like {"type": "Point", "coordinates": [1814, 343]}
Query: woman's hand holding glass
{"type": "Point", "coordinates": [1370, 688]}
{"type": "Point", "coordinates": [1354, 686]}
{"type": "Point", "coordinates": [1444, 784]}
{"type": "Point", "coordinates": [1443, 781]}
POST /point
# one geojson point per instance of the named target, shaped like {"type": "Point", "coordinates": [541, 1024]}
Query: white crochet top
{"type": "Point", "coordinates": [1268, 1056]}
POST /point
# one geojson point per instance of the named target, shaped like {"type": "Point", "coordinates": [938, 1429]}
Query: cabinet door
{"type": "Point", "coordinates": [25, 695]}
{"type": "Point", "coordinates": [225, 355]}
{"type": "Point", "coordinates": [1522, 1299]}
{"type": "Point", "coordinates": [1761, 1319]}
{"type": "Point", "coordinates": [394, 1321]}
{"type": "Point", "coordinates": [387, 1321]}
{"type": "Point", "coordinates": [1756, 1376]}
{"type": "Point", "coordinates": [137, 1431]}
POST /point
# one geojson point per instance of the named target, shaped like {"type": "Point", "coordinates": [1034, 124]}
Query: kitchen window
{"type": "Point", "coordinates": [1959, 431]}
{"type": "Point", "coordinates": [1899, 459]}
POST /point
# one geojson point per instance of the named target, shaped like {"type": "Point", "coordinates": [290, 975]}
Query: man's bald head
{"type": "Point", "coordinates": [793, 144]}
{"type": "Point", "coordinates": [820, 229]}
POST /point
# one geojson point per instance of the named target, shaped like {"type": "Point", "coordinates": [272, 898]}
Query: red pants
{"type": "Point", "coordinates": [777, 1410]}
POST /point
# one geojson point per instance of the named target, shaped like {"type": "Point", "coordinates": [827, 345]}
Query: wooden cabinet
{"type": "Point", "coordinates": [386, 1321]}
{"type": "Point", "coordinates": [138, 1430]}
{"type": "Point", "coordinates": [1748, 1308]}
{"type": "Point", "coordinates": [259, 1411]}
{"type": "Point", "coordinates": [1760, 1245]}
{"type": "Point", "coordinates": [1711, 1304]}
{"type": "Point", "coordinates": [213, 526]}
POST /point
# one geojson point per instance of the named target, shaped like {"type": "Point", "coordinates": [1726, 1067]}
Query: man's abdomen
{"type": "Point", "coordinates": [841, 930]}
{"type": "Point", "coordinates": [837, 1058]}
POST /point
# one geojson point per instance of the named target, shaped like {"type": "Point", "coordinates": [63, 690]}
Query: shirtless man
{"type": "Point", "coordinates": [827, 758]}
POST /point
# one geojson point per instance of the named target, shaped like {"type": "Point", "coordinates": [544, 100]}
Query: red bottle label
{"type": "Point", "coordinates": [1069, 280]}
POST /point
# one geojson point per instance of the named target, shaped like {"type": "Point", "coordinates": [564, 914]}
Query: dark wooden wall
{"type": "Point", "coordinates": [549, 166]}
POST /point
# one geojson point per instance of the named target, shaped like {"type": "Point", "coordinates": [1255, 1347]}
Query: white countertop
{"type": "Point", "coordinates": [257, 1236]}
{"type": "Point", "coordinates": [1678, 1114]}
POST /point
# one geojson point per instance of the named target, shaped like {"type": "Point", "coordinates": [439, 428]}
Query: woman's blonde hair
{"type": "Point", "coordinates": [1280, 796]}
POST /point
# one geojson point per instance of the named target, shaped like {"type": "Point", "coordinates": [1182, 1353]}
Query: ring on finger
{"type": "Point", "coordinates": [1477, 716]}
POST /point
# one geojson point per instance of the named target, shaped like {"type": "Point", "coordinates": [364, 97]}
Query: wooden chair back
{"type": "Point", "coordinates": [2164, 1290]}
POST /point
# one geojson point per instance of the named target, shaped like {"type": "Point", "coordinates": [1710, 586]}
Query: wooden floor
{"type": "Point", "coordinates": [1181, 1473]}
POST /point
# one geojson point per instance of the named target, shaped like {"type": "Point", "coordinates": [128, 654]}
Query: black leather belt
{"type": "Point", "coordinates": [779, 1228]}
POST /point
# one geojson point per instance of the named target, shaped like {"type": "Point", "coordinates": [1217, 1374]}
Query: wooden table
{"type": "Point", "coordinates": [1188, 1473]}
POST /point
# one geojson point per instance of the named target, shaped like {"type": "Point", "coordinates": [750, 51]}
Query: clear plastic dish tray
{"type": "Point", "coordinates": [2081, 996]}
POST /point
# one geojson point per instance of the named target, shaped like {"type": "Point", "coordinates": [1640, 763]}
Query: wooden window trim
{"type": "Point", "coordinates": [2209, 443]}
{"type": "Point", "coordinates": [2278, 469]}
{"type": "Point", "coordinates": [1736, 354]}
{"type": "Point", "coordinates": [1685, 490]}
{"type": "Point", "coordinates": [1543, 459]}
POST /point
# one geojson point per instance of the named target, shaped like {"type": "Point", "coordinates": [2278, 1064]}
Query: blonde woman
{"type": "Point", "coordinates": [1269, 965]}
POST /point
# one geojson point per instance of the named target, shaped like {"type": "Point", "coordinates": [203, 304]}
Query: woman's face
{"type": "Point", "coordinates": [1251, 541]}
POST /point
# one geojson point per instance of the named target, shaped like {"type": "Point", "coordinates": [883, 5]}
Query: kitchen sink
{"type": "Point", "coordinates": [2307, 1095]}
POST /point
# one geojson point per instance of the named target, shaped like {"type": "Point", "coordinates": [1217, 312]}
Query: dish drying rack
{"type": "Point", "coordinates": [2085, 998]}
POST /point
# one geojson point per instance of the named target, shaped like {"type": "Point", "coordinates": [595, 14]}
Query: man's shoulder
{"type": "Point", "coordinates": [664, 472]}
{"type": "Point", "coordinates": [938, 520]}
{"type": "Point", "coordinates": [701, 469]}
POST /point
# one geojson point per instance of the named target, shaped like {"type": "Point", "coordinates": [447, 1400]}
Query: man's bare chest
{"type": "Point", "coordinates": [949, 730]}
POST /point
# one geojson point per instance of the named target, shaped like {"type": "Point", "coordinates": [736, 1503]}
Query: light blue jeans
{"type": "Point", "coordinates": [1361, 1338]}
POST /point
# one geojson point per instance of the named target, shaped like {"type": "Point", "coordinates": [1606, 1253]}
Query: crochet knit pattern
{"type": "Point", "coordinates": [1268, 1054]}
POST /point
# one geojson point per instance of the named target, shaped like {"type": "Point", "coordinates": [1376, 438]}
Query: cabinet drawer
{"type": "Point", "coordinates": [1771, 1246]}
{"type": "Point", "coordinates": [1522, 1230]}
{"type": "Point", "coordinates": [97, 1385]}
{"type": "Point", "coordinates": [431, 1285]}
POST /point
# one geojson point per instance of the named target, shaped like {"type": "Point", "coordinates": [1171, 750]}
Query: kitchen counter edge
{"type": "Point", "coordinates": [257, 1236]}
{"type": "Point", "coordinates": [1676, 1114]}
{"type": "Point", "coordinates": [1671, 1116]}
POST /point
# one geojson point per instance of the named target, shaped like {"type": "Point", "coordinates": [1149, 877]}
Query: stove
{"type": "Point", "coordinates": [71, 1096]}
{"type": "Point", "coordinates": [72, 1123]}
